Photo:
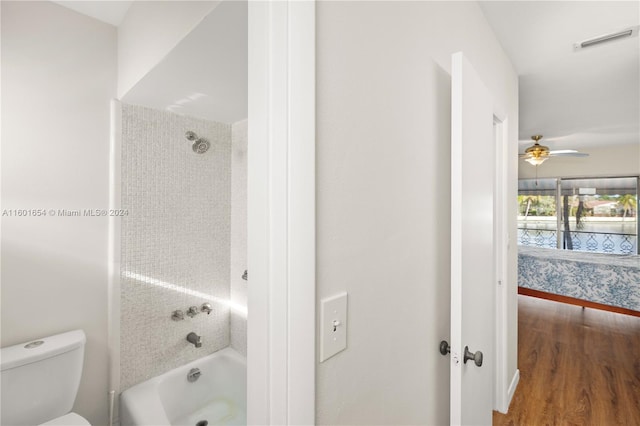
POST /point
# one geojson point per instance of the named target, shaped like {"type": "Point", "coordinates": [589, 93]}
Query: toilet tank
{"type": "Point", "coordinates": [40, 379]}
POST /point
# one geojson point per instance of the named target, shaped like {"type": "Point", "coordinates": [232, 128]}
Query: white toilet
{"type": "Point", "coordinates": [40, 381]}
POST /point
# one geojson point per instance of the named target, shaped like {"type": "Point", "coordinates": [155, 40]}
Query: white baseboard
{"type": "Point", "coordinates": [512, 388]}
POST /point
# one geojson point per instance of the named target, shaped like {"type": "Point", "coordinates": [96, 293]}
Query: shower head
{"type": "Point", "coordinates": [201, 145]}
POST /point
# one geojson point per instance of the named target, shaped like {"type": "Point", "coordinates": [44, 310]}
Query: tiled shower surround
{"type": "Point", "coordinates": [239, 234]}
{"type": "Point", "coordinates": [175, 241]}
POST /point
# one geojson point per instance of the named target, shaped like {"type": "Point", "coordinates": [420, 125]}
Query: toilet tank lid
{"type": "Point", "coordinates": [39, 349]}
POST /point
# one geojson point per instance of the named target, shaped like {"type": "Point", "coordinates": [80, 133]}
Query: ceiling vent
{"type": "Point", "coordinates": [626, 33]}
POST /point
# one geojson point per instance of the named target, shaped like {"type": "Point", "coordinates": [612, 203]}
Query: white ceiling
{"type": "Point", "coordinates": [205, 75]}
{"type": "Point", "coordinates": [112, 12]}
{"type": "Point", "coordinates": [577, 99]}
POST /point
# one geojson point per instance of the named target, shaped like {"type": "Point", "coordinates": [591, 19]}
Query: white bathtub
{"type": "Point", "coordinates": [218, 396]}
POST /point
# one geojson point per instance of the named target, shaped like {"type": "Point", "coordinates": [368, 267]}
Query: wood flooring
{"type": "Point", "coordinates": [577, 366]}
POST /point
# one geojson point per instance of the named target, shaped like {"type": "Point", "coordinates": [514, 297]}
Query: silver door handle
{"type": "Point", "coordinates": [476, 357]}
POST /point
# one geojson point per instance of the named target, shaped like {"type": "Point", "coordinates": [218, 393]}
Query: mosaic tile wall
{"type": "Point", "coordinates": [175, 240]}
{"type": "Point", "coordinates": [239, 236]}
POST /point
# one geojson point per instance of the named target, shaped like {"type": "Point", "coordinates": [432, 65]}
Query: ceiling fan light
{"type": "Point", "coordinates": [536, 161]}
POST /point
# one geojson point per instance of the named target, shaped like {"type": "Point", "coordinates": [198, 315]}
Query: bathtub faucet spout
{"type": "Point", "coordinates": [195, 339]}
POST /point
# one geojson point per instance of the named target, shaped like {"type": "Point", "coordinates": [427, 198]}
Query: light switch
{"type": "Point", "coordinates": [333, 325]}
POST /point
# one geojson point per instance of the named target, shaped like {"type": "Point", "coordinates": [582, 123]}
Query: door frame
{"type": "Point", "coordinates": [501, 232]}
{"type": "Point", "coordinates": [280, 217]}
{"type": "Point", "coordinates": [281, 213]}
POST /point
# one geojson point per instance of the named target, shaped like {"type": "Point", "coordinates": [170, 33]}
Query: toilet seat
{"type": "Point", "coordinates": [71, 419]}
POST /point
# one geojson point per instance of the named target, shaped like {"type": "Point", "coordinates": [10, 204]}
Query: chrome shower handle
{"type": "Point", "coordinates": [206, 307]}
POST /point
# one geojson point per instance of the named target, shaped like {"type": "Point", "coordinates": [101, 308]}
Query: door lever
{"type": "Point", "coordinates": [476, 357]}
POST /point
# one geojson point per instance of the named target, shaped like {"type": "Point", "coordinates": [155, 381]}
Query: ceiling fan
{"type": "Point", "coordinates": [537, 154]}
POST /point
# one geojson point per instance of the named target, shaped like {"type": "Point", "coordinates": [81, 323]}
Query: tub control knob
{"type": "Point", "coordinates": [206, 307]}
{"type": "Point", "coordinates": [193, 311]}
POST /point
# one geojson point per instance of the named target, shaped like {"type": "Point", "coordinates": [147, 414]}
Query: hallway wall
{"type": "Point", "coordinates": [383, 215]}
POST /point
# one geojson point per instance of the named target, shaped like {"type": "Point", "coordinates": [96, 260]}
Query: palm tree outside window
{"type": "Point", "coordinates": [587, 214]}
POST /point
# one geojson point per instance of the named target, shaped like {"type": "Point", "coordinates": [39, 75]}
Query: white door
{"type": "Point", "coordinates": [472, 250]}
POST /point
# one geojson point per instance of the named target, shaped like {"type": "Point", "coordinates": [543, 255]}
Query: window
{"type": "Point", "coordinates": [588, 214]}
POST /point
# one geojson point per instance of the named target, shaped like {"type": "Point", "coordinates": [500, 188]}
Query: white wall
{"type": "Point", "coordinates": [617, 160]}
{"type": "Point", "coordinates": [58, 75]}
{"type": "Point", "coordinates": [383, 178]}
{"type": "Point", "coordinates": [149, 31]}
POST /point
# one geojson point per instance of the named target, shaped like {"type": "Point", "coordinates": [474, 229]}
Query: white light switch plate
{"type": "Point", "coordinates": [333, 326]}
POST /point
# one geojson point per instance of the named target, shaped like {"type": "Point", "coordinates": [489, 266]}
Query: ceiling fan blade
{"type": "Point", "coordinates": [536, 154]}
{"type": "Point", "coordinates": [526, 156]}
{"type": "Point", "coordinates": [562, 151]}
{"type": "Point", "coordinates": [568, 154]}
